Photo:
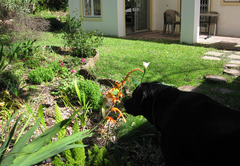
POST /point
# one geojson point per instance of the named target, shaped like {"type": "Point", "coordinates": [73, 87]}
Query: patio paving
{"type": "Point", "coordinates": [219, 42]}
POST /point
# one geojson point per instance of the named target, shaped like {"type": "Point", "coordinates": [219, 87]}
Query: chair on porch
{"type": "Point", "coordinates": [213, 22]}
{"type": "Point", "coordinates": [170, 18]}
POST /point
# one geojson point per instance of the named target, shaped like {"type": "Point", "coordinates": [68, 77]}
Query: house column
{"type": "Point", "coordinates": [190, 15]}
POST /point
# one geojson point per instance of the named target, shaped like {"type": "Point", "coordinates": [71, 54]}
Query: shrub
{"type": "Point", "coordinates": [52, 5]}
{"type": "Point", "coordinates": [81, 42]}
{"type": "Point", "coordinates": [15, 73]}
{"type": "Point", "coordinates": [90, 88]}
{"type": "Point", "coordinates": [40, 74]}
{"type": "Point", "coordinates": [59, 68]}
{"type": "Point", "coordinates": [73, 61]}
{"type": "Point", "coordinates": [32, 63]}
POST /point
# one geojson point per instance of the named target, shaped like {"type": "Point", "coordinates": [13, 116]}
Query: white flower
{"type": "Point", "coordinates": [145, 64]}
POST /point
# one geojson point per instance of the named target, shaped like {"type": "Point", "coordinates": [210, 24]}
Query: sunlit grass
{"type": "Point", "coordinates": [171, 63]}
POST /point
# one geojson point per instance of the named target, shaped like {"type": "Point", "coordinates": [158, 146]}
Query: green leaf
{"type": "Point", "coordinates": [23, 128]}
{"type": "Point", "coordinates": [40, 114]}
{"type": "Point", "coordinates": [8, 140]}
{"type": "Point", "coordinates": [18, 147]}
{"type": "Point", "coordinates": [135, 82]}
{"type": "Point", "coordinates": [31, 158]}
{"type": "Point", "coordinates": [78, 93]}
{"type": "Point", "coordinates": [8, 122]}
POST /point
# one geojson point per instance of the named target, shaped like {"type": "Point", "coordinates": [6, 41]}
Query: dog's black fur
{"type": "Point", "coordinates": [195, 129]}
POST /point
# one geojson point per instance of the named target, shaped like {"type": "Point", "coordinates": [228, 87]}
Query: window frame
{"type": "Point", "coordinates": [91, 17]}
{"type": "Point", "coordinates": [230, 3]}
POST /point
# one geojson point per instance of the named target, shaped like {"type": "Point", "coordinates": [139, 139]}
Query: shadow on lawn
{"type": "Point", "coordinates": [223, 92]}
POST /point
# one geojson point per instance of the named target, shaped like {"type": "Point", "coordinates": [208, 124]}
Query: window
{"type": "Point", "coordinates": [92, 8]}
{"type": "Point", "coordinates": [230, 2]}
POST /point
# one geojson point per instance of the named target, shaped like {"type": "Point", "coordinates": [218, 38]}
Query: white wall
{"type": "Point", "coordinates": [159, 7]}
{"type": "Point", "coordinates": [229, 19]}
{"type": "Point", "coordinates": [112, 17]}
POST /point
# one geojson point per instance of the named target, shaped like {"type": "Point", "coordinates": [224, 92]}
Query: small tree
{"type": "Point", "coordinates": [81, 42]}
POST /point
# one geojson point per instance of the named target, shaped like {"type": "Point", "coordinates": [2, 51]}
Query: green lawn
{"type": "Point", "coordinates": [172, 63]}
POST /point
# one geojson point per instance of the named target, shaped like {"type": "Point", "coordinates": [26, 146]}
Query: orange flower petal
{"type": "Point", "coordinates": [110, 119]}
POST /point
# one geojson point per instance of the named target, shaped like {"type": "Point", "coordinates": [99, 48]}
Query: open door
{"type": "Point", "coordinates": [137, 16]}
{"type": "Point", "coordinates": [141, 15]}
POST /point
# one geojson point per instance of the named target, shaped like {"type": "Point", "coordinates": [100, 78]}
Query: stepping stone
{"type": "Point", "coordinates": [211, 58]}
{"type": "Point", "coordinates": [230, 65]}
{"type": "Point", "coordinates": [234, 56]}
{"type": "Point", "coordinates": [188, 88]}
{"type": "Point", "coordinates": [234, 72]}
{"type": "Point", "coordinates": [234, 61]}
{"type": "Point", "coordinates": [214, 53]}
{"type": "Point", "coordinates": [237, 52]}
{"type": "Point", "coordinates": [215, 78]}
{"type": "Point", "coordinates": [223, 90]}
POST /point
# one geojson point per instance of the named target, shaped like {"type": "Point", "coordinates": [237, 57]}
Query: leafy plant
{"type": "Point", "coordinates": [8, 104]}
{"type": "Point", "coordinates": [75, 156]}
{"type": "Point", "coordinates": [100, 157]}
{"type": "Point", "coordinates": [3, 59]}
{"type": "Point", "coordinates": [14, 88]}
{"type": "Point", "coordinates": [15, 73]}
{"type": "Point", "coordinates": [81, 42]}
{"type": "Point", "coordinates": [87, 87]}
{"type": "Point", "coordinates": [71, 62]}
{"type": "Point", "coordinates": [28, 48]}
{"type": "Point", "coordinates": [32, 63]}
{"type": "Point", "coordinates": [36, 151]}
{"type": "Point", "coordinates": [40, 74]}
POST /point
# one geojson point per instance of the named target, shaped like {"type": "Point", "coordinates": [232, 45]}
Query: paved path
{"type": "Point", "coordinates": [228, 56]}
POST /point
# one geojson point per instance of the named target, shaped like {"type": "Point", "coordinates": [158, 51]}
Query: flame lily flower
{"type": "Point", "coordinates": [110, 119]}
{"type": "Point", "coordinates": [120, 113]}
{"type": "Point", "coordinates": [116, 98]}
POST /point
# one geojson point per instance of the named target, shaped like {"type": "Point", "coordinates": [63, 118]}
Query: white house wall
{"type": "Point", "coordinates": [111, 17]}
{"type": "Point", "coordinates": [228, 21]}
{"type": "Point", "coordinates": [159, 7]}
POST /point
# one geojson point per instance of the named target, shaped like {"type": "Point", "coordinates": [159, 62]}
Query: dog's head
{"type": "Point", "coordinates": [142, 98]}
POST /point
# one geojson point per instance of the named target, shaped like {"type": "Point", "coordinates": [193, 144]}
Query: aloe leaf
{"type": "Point", "coordinates": [26, 124]}
{"type": "Point", "coordinates": [51, 149]}
{"type": "Point", "coordinates": [45, 137]}
{"type": "Point", "coordinates": [78, 93]}
{"type": "Point", "coordinates": [8, 140]}
{"type": "Point", "coordinates": [37, 159]}
{"type": "Point", "coordinates": [18, 147]}
{"type": "Point", "coordinates": [12, 117]}
{"type": "Point", "coordinates": [40, 114]}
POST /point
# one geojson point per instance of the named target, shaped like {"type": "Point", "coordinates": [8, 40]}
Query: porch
{"type": "Point", "coordinates": [219, 42]}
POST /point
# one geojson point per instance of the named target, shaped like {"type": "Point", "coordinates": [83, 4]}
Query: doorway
{"type": "Point", "coordinates": [137, 16]}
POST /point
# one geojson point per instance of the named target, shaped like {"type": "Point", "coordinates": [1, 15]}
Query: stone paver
{"type": "Point", "coordinates": [234, 56]}
{"type": "Point", "coordinates": [234, 61]}
{"type": "Point", "coordinates": [214, 53]}
{"type": "Point", "coordinates": [234, 72]}
{"type": "Point", "coordinates": [188, 88]}
{"type": "Point", "coordinates": [231, 65]}
{"type": "Point", "coordinates": [215, 78]}
{"type": "Point", "coordinates": [237, 52]}
{"type": "Point", "coordinates": [211, 58]}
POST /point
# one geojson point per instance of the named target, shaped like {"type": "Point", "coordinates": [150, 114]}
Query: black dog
{"type": "Point", "coordinates": [195, 129]}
